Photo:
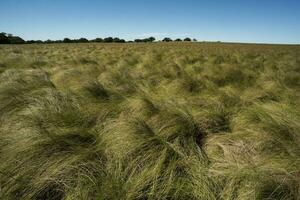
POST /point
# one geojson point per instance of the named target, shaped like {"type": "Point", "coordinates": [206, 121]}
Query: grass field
{"type": "Point", "coordinates": [171, 121]}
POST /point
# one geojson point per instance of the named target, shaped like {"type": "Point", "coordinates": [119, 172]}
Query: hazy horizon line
{"type": "Point", "coordinates": [158, 36]}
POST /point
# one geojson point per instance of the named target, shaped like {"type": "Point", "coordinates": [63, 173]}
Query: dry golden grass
{"type": "Point", "coordinates": [150, 121]}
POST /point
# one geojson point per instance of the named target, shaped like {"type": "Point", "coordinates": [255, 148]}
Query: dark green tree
{"type": "Point", "coordinates": [98, 40]}
{"type": "Point", "coordinates": [3, 38]}
{"type": "Point", "coordinates": [167, 39]}
{"type": "Point", "coordinates": [138, 40]}
{"type": "Point", "coordinates": [118, 40]}
{"type": "Point", "coordinates": [151, 39]}
{"type": "Point", "coordinates": [49, 41]}
{"type": "Point", "coordinates": [16, 40]}
{"type": "Point", "coordinates": [187, 40]}
{"type": "Point", "coordinates": [83, 40]}
{"type": "Point", "coordinates": [67, 40]}
{"type": "Point", "coordinates": [108, 39]}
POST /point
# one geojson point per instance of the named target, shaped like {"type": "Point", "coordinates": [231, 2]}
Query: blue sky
{"type": "Point", "coordinates": [262, 21]}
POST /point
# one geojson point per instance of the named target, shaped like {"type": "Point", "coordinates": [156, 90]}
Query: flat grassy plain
{"type": "Point", "coordinates": [171, 121]}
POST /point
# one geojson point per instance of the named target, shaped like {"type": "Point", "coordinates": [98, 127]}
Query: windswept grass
{"type": "Point", "coordinates": [150, 121]}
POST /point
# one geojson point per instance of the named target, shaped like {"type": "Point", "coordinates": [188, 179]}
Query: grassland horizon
{"type": "Point", "coordinates": [6, 38]}
{"type": "Point", "coordinates": [150, 121]}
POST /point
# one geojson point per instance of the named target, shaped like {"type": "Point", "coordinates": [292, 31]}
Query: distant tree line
{"type": "Point", "coordinates": [6, 38]}
{"type": "Point", "coordinates": [10, 39]}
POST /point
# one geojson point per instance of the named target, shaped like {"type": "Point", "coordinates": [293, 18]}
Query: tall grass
{"type": "Point", "coordinates": [149, 121]}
